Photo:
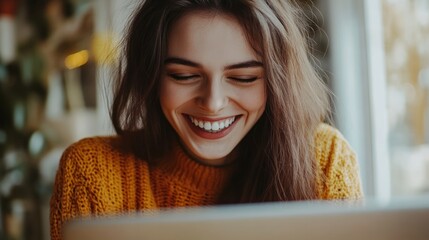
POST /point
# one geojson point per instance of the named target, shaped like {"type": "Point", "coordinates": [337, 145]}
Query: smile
{"type": "Point", "coordinates": [212, 126]}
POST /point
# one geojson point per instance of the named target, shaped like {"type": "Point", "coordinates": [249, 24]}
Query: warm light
{"type": "Point", "coordinates": [104, 47]}
{"type": "Point", "coordinates": [76, 60]}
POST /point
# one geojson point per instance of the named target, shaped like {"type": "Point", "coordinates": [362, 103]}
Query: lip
{"type": "Point", "coordinates": [208, 135]}
{"type": "Point", "coordinates": [210, 119]}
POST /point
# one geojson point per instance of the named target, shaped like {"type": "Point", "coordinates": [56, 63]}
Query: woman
{"type": "Point", "coordinates": [217, 103]}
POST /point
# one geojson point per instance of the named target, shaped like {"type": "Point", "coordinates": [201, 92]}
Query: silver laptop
{"type": "Point", "coordinates": [401, 219]}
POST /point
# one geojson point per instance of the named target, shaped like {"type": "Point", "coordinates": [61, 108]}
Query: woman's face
{"type": "Point", "coordinates": [213, 88]}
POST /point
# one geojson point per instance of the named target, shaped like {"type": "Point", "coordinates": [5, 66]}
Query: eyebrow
{"type": "Point", "coordinates": [182, 61]}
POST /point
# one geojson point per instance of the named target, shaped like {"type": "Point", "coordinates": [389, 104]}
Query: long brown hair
{"type": "Point", "coordinates": [276, 158]}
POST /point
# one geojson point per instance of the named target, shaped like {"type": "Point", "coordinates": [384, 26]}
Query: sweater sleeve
{"type": "Point", "coordinates": [339, 169]}
{"type": "Point", "coordinates": [71, 195]}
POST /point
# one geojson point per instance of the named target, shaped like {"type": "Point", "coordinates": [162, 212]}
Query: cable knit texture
{"type": "Point", "coordinates": [96, 177]}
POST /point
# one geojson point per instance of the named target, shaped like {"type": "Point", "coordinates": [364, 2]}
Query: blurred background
{"type": "Point", "coordinates": [56, 63]}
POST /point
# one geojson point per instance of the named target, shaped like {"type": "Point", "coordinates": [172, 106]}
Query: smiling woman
{"type": "Point", "coordinates": [214, 99]}
{"type": "Point", "coordinates": [217, 102]}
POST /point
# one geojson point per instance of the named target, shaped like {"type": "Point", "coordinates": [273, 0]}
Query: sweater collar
{"type": "Point", "coordinates": [181, 168]}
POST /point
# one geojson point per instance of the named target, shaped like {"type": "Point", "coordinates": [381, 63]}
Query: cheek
{"type": "Point", "coordinates": [172, 95]}
{"type": "Point", "coordinates": [167, 97]}
{"type": "Point", "coordinates": [163, 96]}
{"type": "Point", "coordinates": [254, 99]}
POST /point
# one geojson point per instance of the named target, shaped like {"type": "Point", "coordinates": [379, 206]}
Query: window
{"type": "Point", "coordinates": [379, 65]}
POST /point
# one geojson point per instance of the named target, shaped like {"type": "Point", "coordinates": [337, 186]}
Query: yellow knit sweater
{"type": "Point", "coordinates": [95, 177]}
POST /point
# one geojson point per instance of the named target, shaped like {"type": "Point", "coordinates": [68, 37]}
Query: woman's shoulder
{"type": "Point", "coordinates": [95, 147]}
{"type": "Point", "coordinates": [325, 131]}
{"type": "Point", "coordinates": [329, 143]}
{"type": "Point", "coordinates": [96, 144]}
{"type": "Point", "coordinates": [338, 164]}
{"type": "Point", "coordinates": [93, 154]}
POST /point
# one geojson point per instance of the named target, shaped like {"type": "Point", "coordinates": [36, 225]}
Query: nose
{"type": "Point", "coordinates": [213, 97]}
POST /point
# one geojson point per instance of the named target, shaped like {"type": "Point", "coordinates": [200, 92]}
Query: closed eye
{"type": "Point", "coordinates": [183, 77]}
{"type": "Point", "coordinates": [244, 79]}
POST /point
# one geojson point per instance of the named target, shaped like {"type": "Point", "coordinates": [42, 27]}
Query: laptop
{"type": "Point", "coordinates": [401, 219]}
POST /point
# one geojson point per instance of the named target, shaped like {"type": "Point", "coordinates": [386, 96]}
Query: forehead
{"type": "Point", "coordinates": [203, 35]}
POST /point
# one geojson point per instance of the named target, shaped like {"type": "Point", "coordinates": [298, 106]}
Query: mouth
{"type": "Point", "coordinates": [212, 128]}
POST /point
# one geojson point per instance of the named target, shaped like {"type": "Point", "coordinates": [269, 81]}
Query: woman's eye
{"type": "Point", "coordinates": [183, 77]}
{"type": "Point", "coordinates": [244, 79]}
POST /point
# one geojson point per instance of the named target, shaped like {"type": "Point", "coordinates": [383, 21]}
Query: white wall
{"type": "Point", "coordinates": [111, 17]}
{"type": "Point", "coordinates": [357, 66]}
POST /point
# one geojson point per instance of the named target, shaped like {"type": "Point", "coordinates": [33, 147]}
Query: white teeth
{"type": "Point", "coordinates": [215, 126]}
{"type": "Point", "coordinates": [207, 126]}
{"type": "Point", "coordinates": [212, 126]}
